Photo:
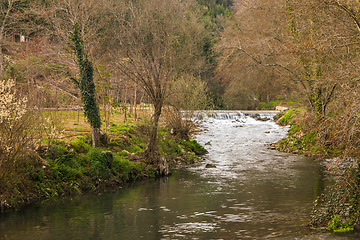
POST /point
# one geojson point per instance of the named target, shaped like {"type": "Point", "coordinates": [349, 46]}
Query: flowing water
{"type": "Point", "coordinates": [253, 193]}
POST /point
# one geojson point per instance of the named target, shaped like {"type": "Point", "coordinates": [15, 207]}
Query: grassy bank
{"type": "Point", "coordinates": [301, 138]}
{"type": "Point", "coordinates": [273, 104]}
{"type": "Point", "coordinates": [67, 164]}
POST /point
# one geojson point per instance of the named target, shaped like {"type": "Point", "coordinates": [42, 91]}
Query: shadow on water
{"type": "Point", "coordinates": [253, 193]}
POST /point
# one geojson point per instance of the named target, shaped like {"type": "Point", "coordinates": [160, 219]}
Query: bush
{"type": "Point", "coordinates": [120, 164]}
{"type": "Point", "coordinates": [128, 170]}
{"type": "Point", "coordinates": [98, 163]}
{"type": "Point", "coordinates": [339, 224]}
{"type": "Point", "coordinates": [80, 146]}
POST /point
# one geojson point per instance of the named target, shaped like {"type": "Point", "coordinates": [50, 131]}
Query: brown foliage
{"type": "Point", "coordinates": [252, 48]}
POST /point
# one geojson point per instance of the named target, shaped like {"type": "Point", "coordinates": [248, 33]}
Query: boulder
{"type": "Point", "coordinates": [281, 109]}
{"type": "Point", "coordinates": [210, 165]}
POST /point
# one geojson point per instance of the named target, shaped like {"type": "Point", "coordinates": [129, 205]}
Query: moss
{"type": "Point", "coordinates": [121, 166]}
{"type": "Point", "coordinates": [191, 156]}
{"type": "Point", "coordinates": [123, 153]}
{"type": "Point", "coordinates": [114, 143]}
{"type": "Point", "coordinates": [294, 129]}
{"type": "Point", "coordinates": [292, 103]}
{"type": "Point", "coordinates": [169, 147]}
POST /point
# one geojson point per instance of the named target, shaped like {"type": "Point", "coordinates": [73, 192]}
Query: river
{"type": "Point", "coordinates": [253, 193]}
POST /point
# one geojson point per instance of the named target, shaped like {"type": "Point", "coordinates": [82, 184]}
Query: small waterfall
{"type": "Point", "coordinates": [220, 115]}
{"type": "Point", "coordinates": [230, 115]}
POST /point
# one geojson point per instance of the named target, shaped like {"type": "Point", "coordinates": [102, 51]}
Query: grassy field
{"type": "Point", "coordinates": [73, 123]}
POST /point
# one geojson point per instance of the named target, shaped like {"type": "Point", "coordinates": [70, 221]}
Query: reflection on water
{"type": "Point", "coordinates": [253, 193]}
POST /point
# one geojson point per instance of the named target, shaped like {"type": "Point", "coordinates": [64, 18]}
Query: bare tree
{"type": "Point", "coordinates": [251, 50]}
{"type": "Point", "coordinates": [323, 52]}
{"type": "Point", "coordinates": [310, 44]}
{"type": "Point", "coordinates": [157, 42]}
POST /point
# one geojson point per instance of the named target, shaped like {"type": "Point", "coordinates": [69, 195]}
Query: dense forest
{"type": "Point", "coordinates": [102, 56]}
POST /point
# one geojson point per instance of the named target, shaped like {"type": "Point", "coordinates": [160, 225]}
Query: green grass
{"type": "Point", "coordinates": [268, 106]}
{"type": "Point", "coordinates": [285, 120]}
{"type": "Point", "coordinates": [193, 146]}
{"type": "Point", "coordinates": [77, 167]}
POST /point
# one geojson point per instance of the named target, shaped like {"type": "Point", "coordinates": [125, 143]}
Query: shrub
{"type": "Point", "coordinates": [65, 173]}
{"type": "Point", "coordinates": [97, 163]}
{"type": "Point", "coordinates": [339, 224]}
{"type": "Point", "coordinates": [129, 170]}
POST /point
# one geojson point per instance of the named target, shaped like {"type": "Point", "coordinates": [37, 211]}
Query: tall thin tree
{"type": "Point", "coordinates": [86, 85]}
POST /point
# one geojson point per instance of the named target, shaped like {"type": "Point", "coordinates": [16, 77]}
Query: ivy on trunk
{"type": "Point", "coordinates": [87, 86]}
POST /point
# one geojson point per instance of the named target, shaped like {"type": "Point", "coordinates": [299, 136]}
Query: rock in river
{"type": "Point", "coordinates": [210, 165]}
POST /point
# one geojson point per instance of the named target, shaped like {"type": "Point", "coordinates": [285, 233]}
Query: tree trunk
{"type": "Point", "coordinates": [108, 114]}
{"type": "Point", "coordinates": [152, 148]}
{"type": "Point", "coordinates": [131, 106]}
{"type": "Point", "coordinates": [135, 105]}
{"type": "Point", "coordinates": [87, 87]}
{"type": "Point", "coordinates": [95, 132]}
{"type": "Point", "coordinates": [2, 68]}
{"type": "Point", "coordinates": [125, 112]}
{"type": "Point", "coordinates": [140, 101]}
{"type": "Point", "coordinates": [104, 107]}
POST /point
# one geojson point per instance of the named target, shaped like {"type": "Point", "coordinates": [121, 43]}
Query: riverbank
{"type": "Point", "coordinates": [337, 209]}
{"type": "Point", "coordinates": [70, 165]}
{"type": "Point", "coordinates": [300, 139]}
